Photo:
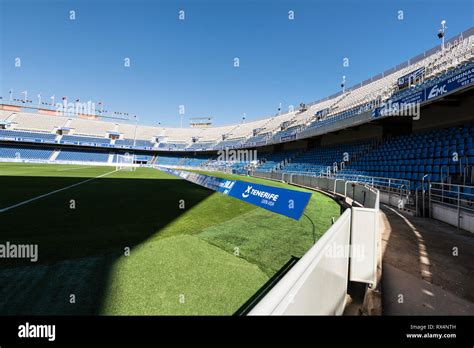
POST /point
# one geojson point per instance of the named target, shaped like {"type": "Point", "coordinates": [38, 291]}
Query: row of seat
{"type": "Point", "coordinates": [436, 154]}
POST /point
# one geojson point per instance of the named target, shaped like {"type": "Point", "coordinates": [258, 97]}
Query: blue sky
{"type": "Point", "coordinates": [190, 62]}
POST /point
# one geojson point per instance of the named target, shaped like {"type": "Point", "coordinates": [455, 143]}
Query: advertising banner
{"type": "Point", "coordinates": [405, 80]}
{"type": "Point", "coordinates": [459, 80]}
{"type": "Point", "coordinates": [282, 201]}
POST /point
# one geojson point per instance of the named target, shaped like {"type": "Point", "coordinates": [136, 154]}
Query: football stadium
{"type": "Point", "coordinates": [357, 202]}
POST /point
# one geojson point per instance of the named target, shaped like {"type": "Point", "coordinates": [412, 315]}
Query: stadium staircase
{"type": "Point", "coordinates": [11, 117]}
{"type": "Point", "coordinates": [111, 158]}
{"type": "Point", "coordinates": [67, 123]}
{"type": "Point", "coordinates": [182, 161]}
{"type": "Point", "coordinates": [207, 162]}
{"type": "Point", "coordinates": [264, 127]}
{"type": "Point", "coordinates": [335, 106]}
{"type": "Point", "coordinates": [54, 155]}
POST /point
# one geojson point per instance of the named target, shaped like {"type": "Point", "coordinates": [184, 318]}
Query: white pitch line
{"type": "Point", "coordinates": [53, 192]}
{"type": "Point", "coordinates": [66, 169]}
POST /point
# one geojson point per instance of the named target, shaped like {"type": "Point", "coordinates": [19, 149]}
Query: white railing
{"type": "Point", "coordinates": [400, 186]}
{"type": "Point", "coordinates": [317, 284]}
{"type": "Point", "coordinates": [452, 204]}
{"type": "Point", "coordinates": [348, 251]}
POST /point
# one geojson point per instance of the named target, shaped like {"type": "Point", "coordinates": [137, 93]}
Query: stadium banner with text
{"type": "Point", "coordinates": [463, 79]}
{"type": "Point", "coordinates": [288, 137]}
{"type": "Point", "coordinates": [405, 80]}
{"type": "Point", "coordinates": [282, 201]}
{"type": "Point", "coordinates": [19, 139]}
{"type": "Point", "coordinates": [393, 107]}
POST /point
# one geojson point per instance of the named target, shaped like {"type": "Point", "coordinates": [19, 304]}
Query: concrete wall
{"type": "Point", "coordinates": [364, 132]}
{"type": "Point", "coordinates": [393, 199]}
{"type": "Point", "coordinates": [450, 215]}
{"type": "Point", "coordinates": [317, 284]}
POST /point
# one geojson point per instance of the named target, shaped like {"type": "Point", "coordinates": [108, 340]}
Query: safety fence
{"type": "Point", "coordinates": [347, 252]}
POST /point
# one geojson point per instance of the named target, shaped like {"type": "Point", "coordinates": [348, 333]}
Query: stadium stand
{"type": "Point", "coordinates": [318, 160]}
{"type": "Point", "coordinates": [84, 140]}
{"type": "Point", "coordinates": [21, 152]}
{"type": "Point", "coordinates": [80, 155]}
{"type": "Point", "coordinates": [229, 143]}
{"type": "Point", "coordinates": [201, 146]}
{"type": "Point", "coordinates": [397, 157]}
{"type": "Point", "coordinates": [437, 153]}
{"type": "Point", "coordinates": [88, 128]}
{"type": "Point", "coordinates": [274, 161]}
{"type": "Point", "coordinates": [168, 160]}
{"type": "Point", "coordinates": [37, 122]}
{"type": "Point", "coordinates": [172, 146]}
{"type": "Point", "coordinates": [130, 142]}
{"type": "Point", "coordinates": [27, 135]}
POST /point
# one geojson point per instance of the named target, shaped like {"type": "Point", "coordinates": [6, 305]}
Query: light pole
{"type": "Point", "coordinates": [343, 84]}
{"type": "Point", "coordinates": [135, 133]}
{"type": "Point", "coordinates": [441, 33]}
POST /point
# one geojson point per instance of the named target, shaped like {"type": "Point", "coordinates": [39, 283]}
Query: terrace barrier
{"type": "Point", "coordinates": [348, 252]}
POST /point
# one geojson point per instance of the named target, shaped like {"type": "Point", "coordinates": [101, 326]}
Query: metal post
{"type": "Point", "coordinates": [423, 192]}
{"type": "Point", "coordinates": [314, 228]}
{"type": "Point", "coordinates": [416, 201]}
{"type": "Point", "coordinates": [459, 208]}
{"type": "Point", "coordinates": [135, 133]}
{"type": "Point", "coordinates": [430, 210]}
{"type": "Point", "coordinates": [443, 30]}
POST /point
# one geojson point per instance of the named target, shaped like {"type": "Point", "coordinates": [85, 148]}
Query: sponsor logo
{"type": "Point", "coordinates": [246, 193]}
{"type": "Point", "coordinates": [437, 91]}
{"type": "Point", "coordinates": [259, 193]}
{"type": "Point", "coordinates": [228, 184]}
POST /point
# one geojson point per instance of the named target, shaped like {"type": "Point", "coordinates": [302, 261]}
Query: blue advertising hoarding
{"type": "Point", "coordinates": [406, 79]}
{"type": "Point", "coordinates": [288, 137]}
{"type": "Point", "coordinates": [462, 79]}
{"type": "Point", "coordinates": [286, 202]}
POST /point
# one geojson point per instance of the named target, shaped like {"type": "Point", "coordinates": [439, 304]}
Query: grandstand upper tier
{"type": "Point", "coordinates": [413, 81]}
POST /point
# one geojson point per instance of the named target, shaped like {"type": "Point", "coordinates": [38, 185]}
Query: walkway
{"type": "Point", "coordinates": [421, 273]}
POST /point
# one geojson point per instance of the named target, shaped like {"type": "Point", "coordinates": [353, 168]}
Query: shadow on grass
{"type": "Point", "coordinates": [80, 233]}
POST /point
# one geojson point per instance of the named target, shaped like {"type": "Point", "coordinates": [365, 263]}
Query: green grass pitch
{"type": "Point", "coordinates": [208, 258]}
